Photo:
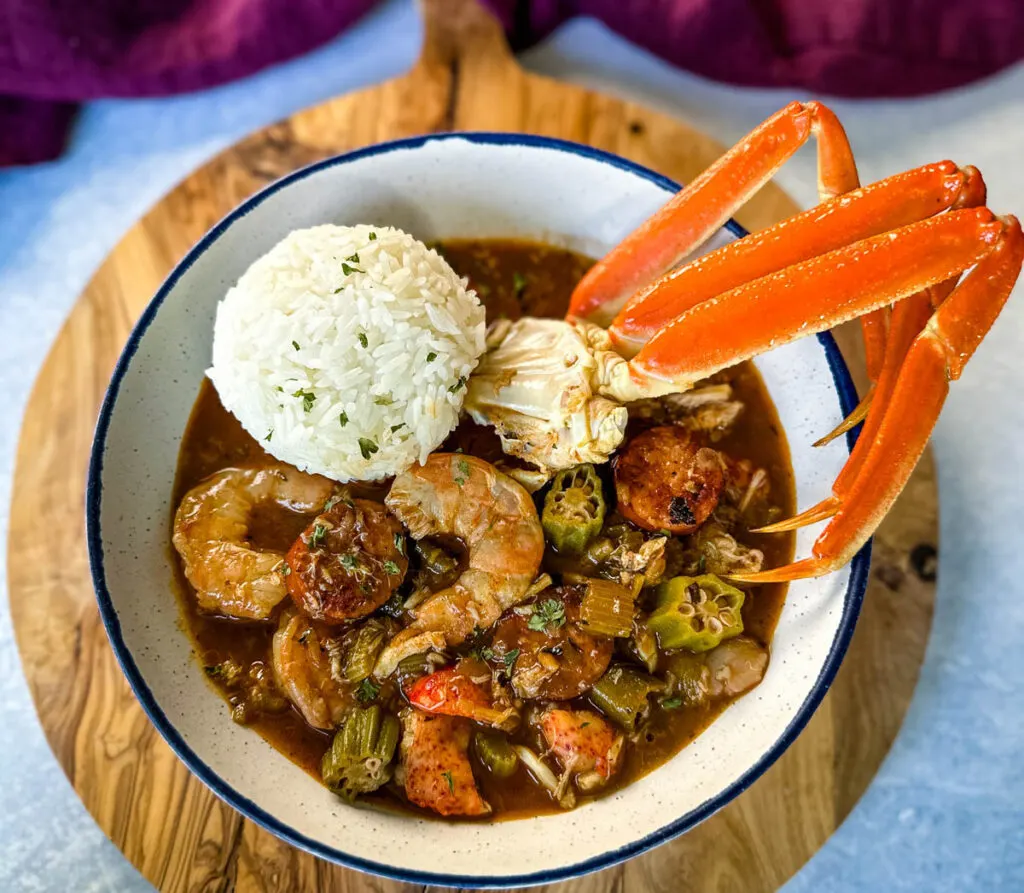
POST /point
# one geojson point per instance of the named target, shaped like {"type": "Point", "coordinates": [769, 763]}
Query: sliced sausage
{"type": "Point", "coordinates": [666, 480]}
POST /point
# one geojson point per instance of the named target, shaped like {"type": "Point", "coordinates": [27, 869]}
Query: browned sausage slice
{"type": "Point", "coordinates": [666, 480]}
{"type": "Point", "coordinates": [347, 562]}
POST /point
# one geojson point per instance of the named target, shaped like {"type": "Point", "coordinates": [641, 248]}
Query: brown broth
{"type": "Point", "coordinates": [513, 278]}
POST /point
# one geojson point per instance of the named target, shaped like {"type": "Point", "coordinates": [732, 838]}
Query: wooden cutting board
{"type": "Point", "coordinates": [178, 834]}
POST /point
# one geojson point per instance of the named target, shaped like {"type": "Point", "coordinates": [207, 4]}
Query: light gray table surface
{"type": "Point", "coordinates": [946, 811]}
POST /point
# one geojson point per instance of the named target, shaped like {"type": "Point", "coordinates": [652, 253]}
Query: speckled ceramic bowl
{"type": "Point", "coordinates": [434, 187]}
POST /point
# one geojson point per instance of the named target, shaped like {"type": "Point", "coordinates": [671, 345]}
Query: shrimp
{"type": "Point", "coordinates": [435, 766]}
{"type": "Point", "coordinates": [230, 575]}
{"type": "Point", "coordinates": [302, 661]}
{"type": "Point", "coordinates": [496, 520]}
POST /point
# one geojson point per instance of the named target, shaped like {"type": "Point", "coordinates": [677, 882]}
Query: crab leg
{"type": "Point", "coordinates": [700, 209]}
{"type": "Point", "coordinates": [883, 206]}
{"type": "Point", "coordinates": [936, 357]}
{"type": "Point", "coordinates": [817, 294]}
{"type": "Point", "coordinates": [909, 318]}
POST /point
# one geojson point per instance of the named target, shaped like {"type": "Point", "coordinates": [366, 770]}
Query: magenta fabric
{"type": "Point", "coordinates": [54, 53]}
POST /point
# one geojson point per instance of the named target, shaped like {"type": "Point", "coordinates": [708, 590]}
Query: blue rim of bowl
{"type": "Point", "coordinates": [851, 603]}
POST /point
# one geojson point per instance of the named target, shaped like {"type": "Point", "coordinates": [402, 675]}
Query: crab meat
{"type": "Point", "coordinates": [554, 391]}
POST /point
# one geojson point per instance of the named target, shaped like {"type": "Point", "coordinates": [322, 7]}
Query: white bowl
{"type": "Point", "coordinates": [435, 187]}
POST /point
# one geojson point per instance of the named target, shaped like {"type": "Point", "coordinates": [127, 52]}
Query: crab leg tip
{"type": "Point", "coordinates": [820, 512]}
{"type": "Point", "coordinates": [858, 415]}
{"type": "Point", "coordinates": [798, 570]}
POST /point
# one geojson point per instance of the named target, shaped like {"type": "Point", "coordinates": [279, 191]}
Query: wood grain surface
{"type": "Point", "coordinates": [179, 835]}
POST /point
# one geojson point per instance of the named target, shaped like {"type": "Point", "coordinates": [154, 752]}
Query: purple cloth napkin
{"type": "Point", "coordinates": [54, 53]}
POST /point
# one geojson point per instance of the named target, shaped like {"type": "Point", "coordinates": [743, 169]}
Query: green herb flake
{"type": "Point", "coordinates": [367, 447]}
{"type": "Point", "coordinates": [363, 340]}
{"type": "Point", "coordinates": [353, 258]}
{"type": "Point", "coordinates": [391, 568]}
{"type": "Point", "coordinates": [348, 271]}
{"type": "Point", "coordinates": [349, 562]}
{"type": "Point", "coordinates": [672, 703]}
{"type": "Point", "coordinates": [518, 284]}
{"type": "Point", "coordinates": [295, 344]}
{"type": "Point", "coordinates": [399, 544]}
{"type": "Point", "coordinates": [547, 615]}
{"type": "Point", "coordinates": [318, 535]}
{"type": "Point", "coordinates": [583, 725]}
{"type": "Point", "coordinates": [270, 434]}
{"type": "Point", "coordinates": [373, 237]}
{"type": "Point", "coordinates": [431, 357]}
{"type": "Point", "coordinates": [459, 385]}
{"type": "Point", "coordinates": [308, 398]}
{"type": "Point", "coordinates": [216, 671]}
{"type": "Point", "coordinates": [510, 659]}
{"type": "Point", "coordinates": [367, 691]}
{"type": "Point", "coordinates": [339, 290]}
{"type": "Point", "coordinates": [461, 473]}
{"type": "Point", "coordinates": [447, 776]}
{"type": "Point", "coordinates": [397, 427]}
{"type": "Point", "coordinates": [384, 400]}
{"type": "Point", "coordinates": [343, 419]}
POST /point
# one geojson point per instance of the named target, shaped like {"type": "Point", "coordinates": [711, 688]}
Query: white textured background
{"type": "Point", "coordinates": [946, 812]}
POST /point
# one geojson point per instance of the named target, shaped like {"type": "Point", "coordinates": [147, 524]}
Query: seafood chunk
{"type": "Point", "coordinates": [734, 667]}
{"type": "Point", "coordinates": [459, 691]}
{"type": "Point", "coordinates": [347, 562]}
{"type": "Point", "coordinates": [585, 744]}
{"type": "Point", "coordinates": [665, 480]}
{"type": "Point", "coordinates": [305, 672]}
{"type": "Point", "coordinates": [494, 517]}
{"type": "Point", "coordinates": [435, 766]}
{"type": "Point", "coordinates": [231, 576]}
{"type": "Point", "coordinates": [546, 650]}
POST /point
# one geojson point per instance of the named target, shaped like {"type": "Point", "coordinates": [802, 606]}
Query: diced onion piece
{"type": "Point", "coordinates": [607, 609]}
{"type": "Point", "coordinates": [544, 776]}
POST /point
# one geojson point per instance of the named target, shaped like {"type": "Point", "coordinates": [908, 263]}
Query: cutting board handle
{"type": "Point", "coordinates": [456, 29]}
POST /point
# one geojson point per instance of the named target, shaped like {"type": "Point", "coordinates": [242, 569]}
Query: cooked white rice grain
{"type": "Point", "coordinates": [345, 350]}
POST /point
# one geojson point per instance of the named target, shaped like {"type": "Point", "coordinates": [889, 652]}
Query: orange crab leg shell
{"type": "Point", "coordinates": [883, 206]}
{"type": "Point", "coordinates": [817, 294]}
{"type": "Point", "coordinates": [702, 207]}
{"type": "Point", "coordinates": [936, 357]}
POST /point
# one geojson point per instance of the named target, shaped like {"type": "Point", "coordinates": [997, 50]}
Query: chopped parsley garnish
{"type": "Point", "coordinates": [447, 776]}
{"type": "Point", "coordinates": [339, 289]}
{"type": "Point", "coordinates": [367, 691]}
{"type": "Point", "coordinates": [353, 258]}
{"type": "Point", "coordinates": [384, 400]}
{"type": "Point", "coordinates": [343, 419]}
{"type": "Point", "coordinates": [363, 340]}
{"type": "Point", "coordinates": [316, 538]}
{"type": "Point", "coordinates": [518, 283]}
{"type": "Point", "coordinates": [672, 703]}
{"type": "Point", "coordinates": [510, 659]}
{"type": "Point", "coordinates": [399, 544]}
{"type": "Point", "coordinates": [431, 357]}
{"type": "Point", "coordinates": [461, 474]}
{"type": "Point", "coordinates": [367, 447]}
{"type": "Point", "coordinates": [335, 499]}
{"type": "Point", "coordinates": [295, 344]}
{"type": "Point", "coordinates": [348, 562]}
{"type": "Point", "coordinates": [484, 652]}
{"type": "Point", "coordinates": [547, 615]}
{"type": "Point", "coordinates": [397, 427]}
{"type": "Point", "coordinates": [461, 383]}
{"type": "Point", "coordinates": [373, 237]}
{"type": "Point", "coordinates": [270, 434]}
{"type": "Point", "coordinates": [391, 568]}
{"type": "Point", "coordinates": [308, 398]}
{"type": "Point", "coordinates": [348, 271]}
